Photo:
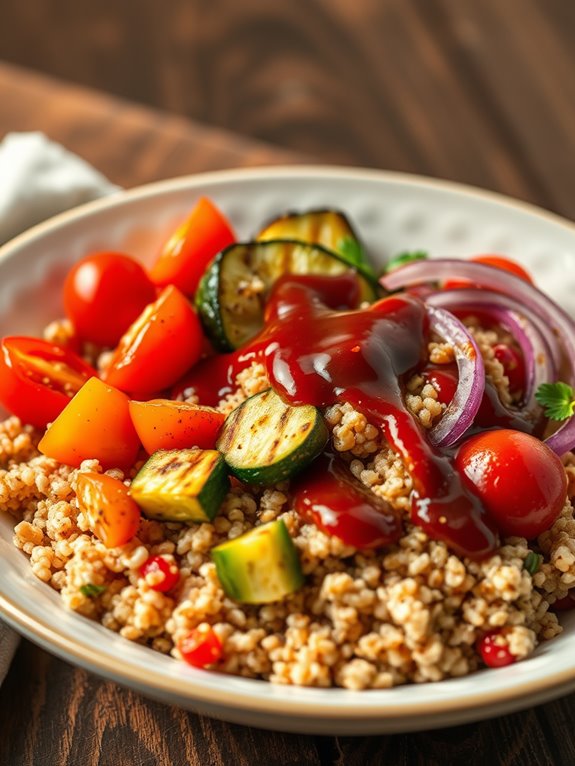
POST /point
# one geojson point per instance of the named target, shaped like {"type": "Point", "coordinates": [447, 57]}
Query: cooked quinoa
{"type": "Point", "coordinates": [411, 612]}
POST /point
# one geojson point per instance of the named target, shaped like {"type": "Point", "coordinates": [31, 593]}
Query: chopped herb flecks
{"type": "Point", "coordinates": [533, 562]}
{"type": "Point", "coordinates": [91, 591]}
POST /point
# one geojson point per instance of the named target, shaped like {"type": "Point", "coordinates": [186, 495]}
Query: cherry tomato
{"type": "Point", "coordinates": [162, 344]}
{"type": "Point", "coordinates": [96, 424]}
{"type": "Point", "coordinates": [201, 647]}
{"type": "Point", "coordinates": [520, 481]}
{"type": "Point", "coordinates": [103, 294]}
{"type": "Point", "coordinates": [164, 424]}
{"type": "Point", "coordinates": [494, 652]}
{"type": "Point", "coordinates": [444, 382]}
{"type": "Point", "coordinates": [164, 575]}
{"type": "Point", "coordinates": [184, 257]}
{"type": "Point", "coordinates": [500, 262]}
{"type": "Point", "coordinates": [38, 379]}
{"type": "Point", "coordinates": [112, 514]}
{"type": "Point", "coordinates": [513, 366]}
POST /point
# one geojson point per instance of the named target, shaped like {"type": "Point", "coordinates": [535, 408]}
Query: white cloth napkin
{"type": "Point", "coordinates": [38, 179]}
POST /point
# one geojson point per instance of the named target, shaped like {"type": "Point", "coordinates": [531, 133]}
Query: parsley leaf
{"type": "Point", "coordinates": [557, 399]}
{"type": "Point", "coordinates": [352, 251]}
{"type": "Point", "coordinates": [533, 562]}
{"type": "Point", "coordinates": [401, 259]}
{"type": "Point", "coordinates": [91, 591]}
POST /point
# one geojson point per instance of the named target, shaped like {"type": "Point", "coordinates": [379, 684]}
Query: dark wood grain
{"type": "Point", "coordinates": [54, 714]}
{"type": "Point", "coordinates": [477, 92]}
{"type": "Point", "coordinates": [128, 143]}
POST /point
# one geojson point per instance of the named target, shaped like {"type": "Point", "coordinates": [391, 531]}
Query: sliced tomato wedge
{"type": "Point", "coordinates": [96, 424]}
{"type": "Point", "coordinates": [184, 257]}
{"type": "Point", "coordinates": [165, 424]}
{"type": "Point", "coordinates": [38, 378]}
{"type": "Point", "coordinates": [500, 262]}
{"type": "Point", "coordinates": [112, 514]}
{"type": "Point", "coordinates": [159, 347]}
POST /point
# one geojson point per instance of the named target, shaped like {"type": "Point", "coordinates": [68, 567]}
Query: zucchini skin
{"type": "Point", "coordinates": [265, 441]}
{"type": "Point", "coordinates": [208, 306]}
{"type": "Point", "coordinates": [232, 315]}
{"type": "Point", "coordinates": [187, 485]}
{"type": "Point", "coordinates": [259, 567]}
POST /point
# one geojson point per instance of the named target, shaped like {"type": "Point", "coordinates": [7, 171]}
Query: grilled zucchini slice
{"type": "Point", "coordinates": [181, 485]}
{"type": "Point", "coordinates": [265, 440]}
{"type": "Point", "coordinates": [329, 228]}
{"type": "Point", "coordinates": [233, 291]}
{"type": "Point", "coordinates": [260, 566]}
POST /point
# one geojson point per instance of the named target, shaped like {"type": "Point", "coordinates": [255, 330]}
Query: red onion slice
{"type": "Point", "coordinates": [462, 409]}
{"type": "Point", "coordinates": [523, 325]}
{"type": "Point", "coordinates": [558, 322]}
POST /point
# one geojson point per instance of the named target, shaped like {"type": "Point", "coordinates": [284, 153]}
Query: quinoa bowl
{"type": "Point", "coordinates": [393, 213]}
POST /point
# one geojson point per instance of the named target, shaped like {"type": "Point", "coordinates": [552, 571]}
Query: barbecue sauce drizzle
{"type": "Point", "coordinates": [315, 355]}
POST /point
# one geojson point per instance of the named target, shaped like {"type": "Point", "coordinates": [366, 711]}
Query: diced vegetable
{"type": "Point", "coordinates": [112, 514]}
{"type": "Point", "coordinates": [329, 228]}
{"type": "Point", "coordinates": [494, 650]}
{"type": "Point", "coordinates": [233, 291]}
{"type": "Point", "coordinates": [192, 246]}
{"type": "Point", "coordinates": [159, 347]}
{"type": "Point", "coordinates": [201, 647]}
{"type": "Point", "coordinates": [265, 440]}
{"type": "Point", "coordinates": [165, 424]}
{"type": "Point", "coordinates": [95, 424]}
{"type": "Point", "coordinates": [38, 379]}
{"type": "Point", "coordinates": [161, 574]}
{"type": "Point", "coordinates": [181, 485]}
{"type": "Point", "coordinates": [260, 566]}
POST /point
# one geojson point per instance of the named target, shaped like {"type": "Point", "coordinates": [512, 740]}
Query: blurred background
{"type": "Point", "coordinates": [481, 91]}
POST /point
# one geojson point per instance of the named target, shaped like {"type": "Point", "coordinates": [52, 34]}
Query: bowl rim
{"type": "Point", "coordinates": [269, 172]}
{"type": "Point", "coordinates": [246, 693]}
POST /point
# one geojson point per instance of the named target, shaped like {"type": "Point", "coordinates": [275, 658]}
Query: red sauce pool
{"type": "Point", "coordinates": [316, 355]}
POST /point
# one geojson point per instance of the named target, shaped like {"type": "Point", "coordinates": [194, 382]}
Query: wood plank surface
{"type": "Point", "coordinates": [130, 144]}
{"type": "Point", "coordinates": [480, 92]}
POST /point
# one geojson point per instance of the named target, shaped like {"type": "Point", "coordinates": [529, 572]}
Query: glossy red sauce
{"type": "Point", "coordinates": [315, 355]}
{"type": "Point", "coordinates": [330, 496]}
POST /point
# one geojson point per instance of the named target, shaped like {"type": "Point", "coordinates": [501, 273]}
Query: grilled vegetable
{"type": "Point", "coordinates": [329, 228]}
{"type": "Point", "coordinates": [181, 485]}
{"type": "Point", "coordinates": [265, 441]}
{"type": "Point", "coordinates": [234, 289]}
{"type": "Point", "coordinates": [259, 567]}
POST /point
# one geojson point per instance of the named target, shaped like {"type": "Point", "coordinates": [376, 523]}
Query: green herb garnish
{"type": "Point", "coordinates": [352, 251]}
{"type": "Point", "coordinates": [533, 562]}
{"type": "Point", "coordinates": [91, 591]}
{"type": "Point", "coordinates": [406, 257]}
{"type": "Point", "coordinates": [557, 400]}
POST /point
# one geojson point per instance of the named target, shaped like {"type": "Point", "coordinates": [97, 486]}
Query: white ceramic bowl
{"type": "Point", "coordinates": [393, 213]}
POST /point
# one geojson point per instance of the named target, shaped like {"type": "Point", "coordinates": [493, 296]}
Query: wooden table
{"type": "Point", "coordinates": [52, 713]}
